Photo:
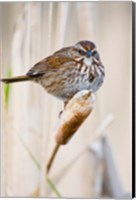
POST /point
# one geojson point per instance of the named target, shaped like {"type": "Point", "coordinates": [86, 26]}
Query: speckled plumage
{"type": "Point", "coordinates": [68, 71]}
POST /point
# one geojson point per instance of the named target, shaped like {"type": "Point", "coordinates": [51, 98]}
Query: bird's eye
{"type": "Point", "coordinates": [81, 52]}
{"type": "Point", "coordinates": [95, 54]}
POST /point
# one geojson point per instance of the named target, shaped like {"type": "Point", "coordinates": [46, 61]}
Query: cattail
{"type": "Point", "coordinates": [76, 111]}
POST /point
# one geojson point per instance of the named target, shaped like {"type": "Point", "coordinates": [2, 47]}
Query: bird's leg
{"type": "Point", "coordinates": [60, 113]}
{"type": "Point", "coordinates": [65, 103]}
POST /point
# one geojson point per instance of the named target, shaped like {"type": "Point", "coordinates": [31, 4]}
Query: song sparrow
{"type": "Point", "coordinates": [67, 71]}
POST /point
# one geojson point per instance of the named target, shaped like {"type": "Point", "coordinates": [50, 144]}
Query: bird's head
{"type": "Point", "coordinates": [86, 51]}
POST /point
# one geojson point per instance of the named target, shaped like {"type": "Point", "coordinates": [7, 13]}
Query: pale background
{"type": "Point", "coordinates": [32, 31]}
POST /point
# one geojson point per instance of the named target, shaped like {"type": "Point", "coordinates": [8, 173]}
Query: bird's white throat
{"type": "Point", "coordinates": [88, 61]}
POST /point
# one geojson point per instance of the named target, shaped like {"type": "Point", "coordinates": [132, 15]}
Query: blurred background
{"type": "Point", "coordinates": [30, 32]}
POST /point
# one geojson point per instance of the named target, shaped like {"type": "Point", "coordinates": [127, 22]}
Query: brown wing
{"type": "Point", "coordinates": [49, 64]}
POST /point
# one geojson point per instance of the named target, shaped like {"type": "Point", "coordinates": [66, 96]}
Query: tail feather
{"type": "Point", "coordinates": [16, 79]}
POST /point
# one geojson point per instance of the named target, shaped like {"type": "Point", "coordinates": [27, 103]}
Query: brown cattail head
{"type": "Point", "coordinates": [76, 111]}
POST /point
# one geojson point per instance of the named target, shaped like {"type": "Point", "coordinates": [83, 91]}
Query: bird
{"type": "Point", "coordinates": [67, 71]}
